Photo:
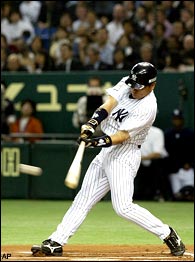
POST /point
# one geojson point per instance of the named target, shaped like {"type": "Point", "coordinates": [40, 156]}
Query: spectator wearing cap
{"type": "Point", "coordinates": [179, 143]}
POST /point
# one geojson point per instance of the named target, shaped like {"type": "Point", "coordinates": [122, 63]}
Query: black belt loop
{"type": "Point", "coordinates": [139, 146]}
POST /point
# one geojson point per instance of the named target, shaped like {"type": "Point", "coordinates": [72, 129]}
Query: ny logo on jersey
{"type": "Point", "coordinates": [120, 114]}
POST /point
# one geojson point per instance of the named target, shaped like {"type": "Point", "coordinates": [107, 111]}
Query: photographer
{"type": "Point", "coordinates": [88, 103]}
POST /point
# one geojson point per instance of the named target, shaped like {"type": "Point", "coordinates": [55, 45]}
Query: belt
{"type": "Point", "coordinates": [139, 146]}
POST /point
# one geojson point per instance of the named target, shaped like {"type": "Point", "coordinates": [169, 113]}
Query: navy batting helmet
{"type": "Point", "coordinates": [141, 75]}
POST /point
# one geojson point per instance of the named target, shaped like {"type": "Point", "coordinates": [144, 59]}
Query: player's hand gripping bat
{"type": "Point", "coordinates": [74, 172]}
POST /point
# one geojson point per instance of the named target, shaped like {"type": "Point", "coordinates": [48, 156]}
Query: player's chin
{"type": "Point", "coordinates": [135, 96]}
{"type": "Point", "coordinates": [138, 95]}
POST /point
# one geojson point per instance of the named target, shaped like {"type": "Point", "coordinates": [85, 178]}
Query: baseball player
{"type": "Point", "coordinates": [125, 118]}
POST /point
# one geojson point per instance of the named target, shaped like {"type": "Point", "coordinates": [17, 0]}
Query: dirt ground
{"type": "Point", "coordinates": [99, 253]}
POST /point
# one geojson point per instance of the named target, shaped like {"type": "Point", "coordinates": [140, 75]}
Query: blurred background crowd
{"type": "Point", "coordinates": [39, 36]}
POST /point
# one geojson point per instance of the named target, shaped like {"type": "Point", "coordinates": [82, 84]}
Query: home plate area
{"type": "Point", "coordinates": [99, 253]}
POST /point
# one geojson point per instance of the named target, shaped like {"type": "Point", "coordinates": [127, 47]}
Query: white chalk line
{"type": "Point", "coordinates": [75, 253]}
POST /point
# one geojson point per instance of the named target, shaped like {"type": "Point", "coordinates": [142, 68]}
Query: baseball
{"type": "Point", "coordinates": [30, 170]}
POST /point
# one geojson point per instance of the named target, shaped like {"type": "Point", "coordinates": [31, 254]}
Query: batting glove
{"type": "Point", "coordinates": [103, 141]}
{"type": "Point", "coordinates": [88, 129]}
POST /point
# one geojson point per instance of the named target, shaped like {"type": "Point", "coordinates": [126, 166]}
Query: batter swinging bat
{"type": "Point", "coordinates": [30, 170]}
{"type": "Point", "coordinates": [74, 172]}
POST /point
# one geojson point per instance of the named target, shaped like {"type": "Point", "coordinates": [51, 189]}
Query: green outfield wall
{"type": "Point", "coordinates": [56, 94]}
{"type": "Point", "coordinates": [53, 157]}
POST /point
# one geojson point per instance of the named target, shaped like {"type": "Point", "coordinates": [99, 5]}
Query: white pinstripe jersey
{"type": "Point", "coordinates": [133, 115]}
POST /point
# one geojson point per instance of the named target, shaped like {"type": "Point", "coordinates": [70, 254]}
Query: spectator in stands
{"type": "Point", "coordinates": [42, 62]}
{"type": "Point", "coordinates": [187, 16]}
{"type": "Point", "coordinates": [14, 64]}
{"type": "Point", "coordinates": [172, 62]}
{"type": "Point", "coordinates": [187, 53]}
{"type": "Point", "coordinates": [171, 10]}
{"type": "Point", "coordinates": [94, 60]}
{"type": "Point", "coordinates": [37, 45]}
{"type": "Point", "coordinates": [30, 10]}
{"type": "Point", "coordinates": [49, 16]}
{"type": "Point", "coordinates": [80, 48]}
{"type": "Point", "coordinates": [6, 7]}
{"type": "Point", "coordinates": [129, 32]}
{"type": "Point", "coordinates": [16, 27]}
{"type": "Point", "coordinates": [26, 57]}
{"type": "Point", "coordinates": [7, 113]}
{"type": "Point", "coordinates": [88, 103]}
{"type": "Point", "coordinates": [93, 21]}
{"type": "Point", "coordinates": [146, 53]}
{"type": "Point", "coordinates": [129, 7]}
{"type": "Point", "coordinates": [182, 184]}
{"type": "Point", "coordinates": [59, 37]}
{"type": "Point", "coordinates": [179, 31]}
{"type": "Point", "coordinates": [151, 180]}
{"type": "Point", "coordinates": [115, 26]}
{"type": "Point", "coordinates": [4, 42]}
{"type": "Point", "coordinates": [179, 143]}
{"type": "Point", "coordinates": [140, 19]}
{"type": "Point", "coordinates": [65, 22]}
{"type": "Point", "coordinates": [103, 45]}
{"type": "Point", "coordinates": [131, 55]}
{"type": "Point", "coordinates": [69, 62]}
{"type": "Point", "coordinates": [162, 19]}
{"type": "Point", "coordinates": [27, 122]}
{"type": "Point", "coordinates": [81, 20]}
{"type": "Point", "coordinates": [4, 56]}
{"type": "Point", "coordinates": [120, 62]}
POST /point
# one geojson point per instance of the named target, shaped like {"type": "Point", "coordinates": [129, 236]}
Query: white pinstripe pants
{"type": "Point", "coordinates": [108, 173]}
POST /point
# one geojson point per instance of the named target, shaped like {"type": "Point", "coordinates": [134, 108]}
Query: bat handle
{"type": "Point", "coordinates": [80, 149]}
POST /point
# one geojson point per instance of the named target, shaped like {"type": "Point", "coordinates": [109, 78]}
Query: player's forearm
{"type": "Point", "coordinates": [119, 137]}
{"type": "Point", "coordinates": [151, 156]}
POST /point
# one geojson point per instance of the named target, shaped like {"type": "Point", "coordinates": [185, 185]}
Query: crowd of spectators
{"type": "Point", "coordinates": [39, 36]}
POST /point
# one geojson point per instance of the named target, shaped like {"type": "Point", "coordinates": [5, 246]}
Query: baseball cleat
{"type": "Point", "coordinates": [51, 248]}
{"type": "Point", "coordinates": [47, 248]}
{"type": "Point", "coordinates": [36, 251]}
{"type": "Point", "coordinates": [173, 241]}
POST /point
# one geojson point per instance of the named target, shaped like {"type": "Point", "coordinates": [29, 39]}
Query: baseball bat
{"type": "Point", "coordinates": [73, 176]}
{"type": "Point", "coordinates": [30, 170]}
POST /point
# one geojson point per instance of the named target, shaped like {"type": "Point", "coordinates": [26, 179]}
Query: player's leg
{"type": "Point", "coordinates": [121, 178]}
{"type": "Point", "coordinates": [95, 186]}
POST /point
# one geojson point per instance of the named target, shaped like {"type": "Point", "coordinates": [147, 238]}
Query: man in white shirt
{"type": "Point", "coordinates": [150, 176]}
{"type": "Point", "coordinates": [115, 27]}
